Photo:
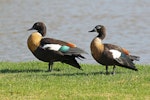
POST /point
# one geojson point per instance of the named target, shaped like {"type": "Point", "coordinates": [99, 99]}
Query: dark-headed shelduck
{"type": "Point", "coordinates": [109, 54]}
{"type": "Point", "coordinates": [51, 50]}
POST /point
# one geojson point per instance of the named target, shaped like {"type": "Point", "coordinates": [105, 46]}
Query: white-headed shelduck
{"type": "Point", "coordinates": [109, 54]}
{"type": "Point", "coordinates": [52, 50]}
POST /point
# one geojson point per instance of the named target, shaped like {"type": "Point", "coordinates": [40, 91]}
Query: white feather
{"type": "Point", "coordinates": [54, 47]}
{"type": "Point", "coordinates": [115, 53]}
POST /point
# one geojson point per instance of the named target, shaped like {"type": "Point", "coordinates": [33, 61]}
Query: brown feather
{"type": "Point", "coordinates": [55, 41]}
{"type": "Point", "coordinates": [125, 51]}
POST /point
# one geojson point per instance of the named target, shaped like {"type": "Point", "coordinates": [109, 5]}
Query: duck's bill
{"type": "Point", "coordinates": [92, 30]}
{"type": "Point", "coordinates": [30, 29]}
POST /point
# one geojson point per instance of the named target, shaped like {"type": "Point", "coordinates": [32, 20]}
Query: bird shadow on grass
{"type": "Point", "coordinates": [20, 71]}
{"type": "Point", "coordinates": [55, 72]}
{"type": "Point", "coordinates": [81, 74]}
{"type": "Point", "coordinates": [74, 74]}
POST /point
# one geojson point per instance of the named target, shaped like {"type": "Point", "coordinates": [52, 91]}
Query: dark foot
{"type": "Point", "coordinates": [113, 73]}
{"type": "Point", "coordinates": [49, 70]}
{"type": "Point", "coordinates": [107, 73]}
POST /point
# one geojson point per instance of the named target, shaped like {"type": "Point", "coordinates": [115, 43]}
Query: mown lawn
{"type": "Point", "coordinates": [30, 81]}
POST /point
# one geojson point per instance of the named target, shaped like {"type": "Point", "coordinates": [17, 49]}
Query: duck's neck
{"type": "Point", "coordinates": [101, 35]}
{"type": "Point", "coordinates": [42, 31]}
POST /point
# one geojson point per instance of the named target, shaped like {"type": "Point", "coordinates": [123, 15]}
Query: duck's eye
{"type": "Point", "coordinates": [37, 24]}
{"type": "Point", "coordinates": [98, 27]}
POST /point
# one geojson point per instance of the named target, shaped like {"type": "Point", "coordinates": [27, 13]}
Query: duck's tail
{"type": "Point", "coordinates": [132, 57]}
{"type": "Point", "coordinates": [72, 61]}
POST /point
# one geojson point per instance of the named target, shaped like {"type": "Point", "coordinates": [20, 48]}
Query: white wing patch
{"type": "Point", "coordinates": [115, 53]}
{"type": "Point", "coordinates": [54, 47]}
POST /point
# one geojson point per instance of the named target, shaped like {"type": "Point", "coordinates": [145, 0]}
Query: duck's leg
{"type": "Point", "coordinates": [50, 66]}
{"type": "Point", "coordinates": [114, 68]}
{"type": "Point", "coordinates": [107, 70]}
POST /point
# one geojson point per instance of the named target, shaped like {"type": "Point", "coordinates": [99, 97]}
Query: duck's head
{"type": "Point", "coordinates": [40, 27]}
{"type": "Point", "coordinates": [100, 29]}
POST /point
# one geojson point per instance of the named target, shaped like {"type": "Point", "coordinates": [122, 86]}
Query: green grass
{"type": "Point", "coordinates": [30, 81]}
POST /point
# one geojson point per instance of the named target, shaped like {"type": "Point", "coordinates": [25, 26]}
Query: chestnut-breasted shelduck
{"type": "Point", "coordinates": [109, 54]}
{"type": "Point", "coordinates": [52, 50]}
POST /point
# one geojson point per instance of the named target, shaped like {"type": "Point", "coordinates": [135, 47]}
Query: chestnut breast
{"type": "Point", "coordinates": [34, 41]}
{"type": "Point", "coordinates": [97, 48]}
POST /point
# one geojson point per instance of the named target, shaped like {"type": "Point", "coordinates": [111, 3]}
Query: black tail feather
{"type": "Point", "coordinates": [132, 57]}
{"type": "Point", "coordinates": [72, 61]}
{"type": "Point", "coordinates": [69, 57]}
{"type": "Point", "coordinates": [127, 63]}
{"type": "Point", "coordinates": [130, 67]}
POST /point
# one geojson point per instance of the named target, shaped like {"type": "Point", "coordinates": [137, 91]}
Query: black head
{"type": "Point", "coordinates": [97, 28]}
{"type": "Point", "coordinates": [40, 27]}
{"type": "Point", "coordinates": [101, 30]}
